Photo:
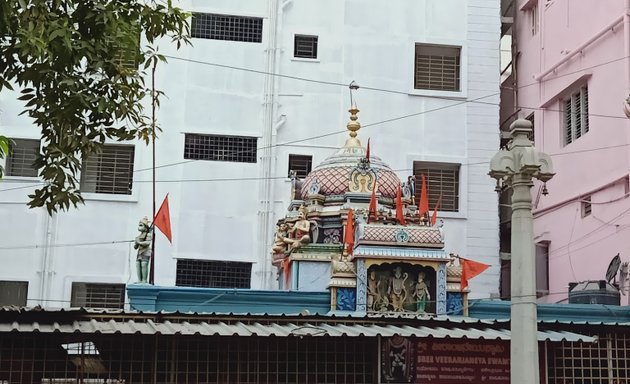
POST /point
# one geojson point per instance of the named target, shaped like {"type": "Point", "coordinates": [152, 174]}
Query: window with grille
{"type": "Point", "coordinates": [531, 120]}
{"type": "Point", "coordinates": [586, 206]}
{"type": "Point", "coordinates": [98, 295]}
{"type": "Point", "coordinates": [13, 293]}
{"type": "Point", "coordinates": [238, 149]}
{"type": "Point", "coordinates": [128, 55]}
{"type": "Point", "coordinates": [305, 47]}
{"type": "Point", "coordinates": [442, 180]}
{"type": "Point", "coordinates": [607, 361]}
{"type": "Point", "coordinates": [576, 115]}
{"type": "Point", "coordinates": [22, 154]}
{"type": "Point", "coordinates": [213, 274]}
{"type": "Point", "coordinates": [300, 164]}
{"type": "Point", "coordinates": [226, 27]}
{"type": "Point", "coordinates": [542, 269]}
{"type": "Point", "coordinates": [110, 171]}
{"type": "Point", "coordinates": [533, 19]}
{"type": "Point", "coordinates": [437, 67]}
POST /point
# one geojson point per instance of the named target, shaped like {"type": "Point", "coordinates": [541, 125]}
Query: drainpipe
{"type": "Point", "coordinates": [626, 43]}
{"type": "Point", "coordinates": [46, 270]}
{"type": "Point", "coordinates": [268, 280]}
{"type": "Point", "coordinates": [626, 46]}
{"type": "Point", "coordinates": [268, 152]}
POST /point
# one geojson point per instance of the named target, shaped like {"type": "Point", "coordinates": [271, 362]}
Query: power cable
{"type": "Point", "coordinates": [284, 178]}
{"type": "Point", "coordinates": [371, 124]}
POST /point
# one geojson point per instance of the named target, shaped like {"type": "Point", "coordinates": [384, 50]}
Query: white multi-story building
{"type": "Point", "coordinates": [429, 77]}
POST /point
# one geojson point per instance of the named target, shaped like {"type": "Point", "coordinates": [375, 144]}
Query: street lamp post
{"type": "Point", "coordinates": [516, 167]}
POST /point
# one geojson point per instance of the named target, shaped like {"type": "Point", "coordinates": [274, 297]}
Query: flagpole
{"type": "Point", "coordinates": [152, 261]}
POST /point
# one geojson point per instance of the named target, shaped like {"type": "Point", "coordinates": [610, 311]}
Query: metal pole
{"type": "Point", "coordinates": [153, 105]}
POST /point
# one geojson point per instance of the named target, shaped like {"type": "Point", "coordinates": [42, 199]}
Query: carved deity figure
{"type": "Point", "coordinates": [143, 244]}
{"type": "Point", "coordinates": [372, 291]}
{"type": "Point", "coordinates": [300, 230]}
{"type": "Point", "coordinates": [421, 293]}
{"type": "Point", "coordinates": [279, 246]}
{"type": "Point", "coordinates": [397, 290]}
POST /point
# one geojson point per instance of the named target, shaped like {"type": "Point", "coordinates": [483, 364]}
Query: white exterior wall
{"type": "Point", "coordinates": [371, 43]}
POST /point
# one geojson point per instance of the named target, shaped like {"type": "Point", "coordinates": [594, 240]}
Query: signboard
{"type": "Point", "coordinates": [448, 361]}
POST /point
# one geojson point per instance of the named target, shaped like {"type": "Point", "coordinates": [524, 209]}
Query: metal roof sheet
{"type": "Point", "coordinates": [219, 328]}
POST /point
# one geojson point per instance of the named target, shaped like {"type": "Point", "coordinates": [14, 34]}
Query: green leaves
{"type": "Point", "coordinates": [80, 66]}
{"type": "Point", "coordinates": [4, 151]}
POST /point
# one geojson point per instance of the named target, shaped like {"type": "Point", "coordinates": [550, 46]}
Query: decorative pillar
{"type": "Point", "coordinates": [440, 308]}
{"type": "Point", "coordinates": [516, 167]}
{"type": "Point", "coordinates": [361, 286]}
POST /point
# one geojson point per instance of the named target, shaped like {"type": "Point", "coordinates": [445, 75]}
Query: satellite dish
{"type": "Point", "coordinates": [613, 268]}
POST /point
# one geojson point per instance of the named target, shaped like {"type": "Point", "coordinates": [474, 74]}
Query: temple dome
{"type": "Point", "coordinates": [332, 176]}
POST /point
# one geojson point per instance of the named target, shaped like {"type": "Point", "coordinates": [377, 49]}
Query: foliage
{"type": "Point", "coordinates": [71, 60]}
{"type": "Point", "coordinates": [4, 151]}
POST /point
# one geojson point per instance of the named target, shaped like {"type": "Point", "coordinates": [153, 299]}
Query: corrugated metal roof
{"type": "Point", "coordinates": [220, 328]}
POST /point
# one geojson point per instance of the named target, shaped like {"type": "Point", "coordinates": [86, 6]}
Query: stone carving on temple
{"type": "Point", "coordinates": [397, 360]}
{"type": "Point", "coordinates": [282, 232]}
{"type": "Point", "coordinates": [421, 294]}
{"type": "Point", "coordinates": [362, 177]}
{"type": "Point", "coordinates": [397, 290]}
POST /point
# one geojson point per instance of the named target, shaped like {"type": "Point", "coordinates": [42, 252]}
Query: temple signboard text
{"type": "Point", "coordinates": [448, 361]}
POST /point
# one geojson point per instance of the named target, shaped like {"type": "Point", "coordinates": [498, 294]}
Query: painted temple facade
{"type": "Point", "coordinates": [354, 228]}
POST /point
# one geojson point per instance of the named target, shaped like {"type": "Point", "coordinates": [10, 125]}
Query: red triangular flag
{"type": "Point", "coordinates": [162, 220]}
{"type": "Point", "coordinates": [367, 151]}
{"type": "Point", "coordinates": [437, 206]}
{"type": "Point", "coordinates": [349, 236]}
{"type": "Point", "coordinates": [470, 269]}
{"type": "Point", "coordinates": [399, 207]}
{"type": "Point", "coordinates": [424, 198]}
{"type": "Point", "coordinates": [373, 210]}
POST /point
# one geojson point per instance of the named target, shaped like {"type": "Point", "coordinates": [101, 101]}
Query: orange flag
{"type": "Point", "coordinates": [399, 207]}
{"type": "Point", "coordinates": [470, 269]}
{"type": "Point", "coordinates": [372, 210]}
{"type": "Point", "coordinates": [367, 151]}
{"type": "Point", "coordinates": [349, 236]}
{"type": "Point", "coordinates": [437, 206]}
{"type": "Point", "coordinates": [424, 198]}
{"type": "Point", "coordinates": [162, 220]}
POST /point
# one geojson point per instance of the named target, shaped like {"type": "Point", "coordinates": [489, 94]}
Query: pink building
{"type": "Point", "coordinates": [571, 78]}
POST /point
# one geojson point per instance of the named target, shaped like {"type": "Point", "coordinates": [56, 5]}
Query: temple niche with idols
{"type": "Point", "coordinates": [354, 228]}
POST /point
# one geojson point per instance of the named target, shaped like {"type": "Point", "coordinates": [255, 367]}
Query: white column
{"type": "Point", "coordinates": [524, 367]}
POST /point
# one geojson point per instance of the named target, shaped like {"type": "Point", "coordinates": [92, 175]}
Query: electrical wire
{"type": "Point", "coordinates": [371, 124]}
{"type": "Point", "coordinates": [284, 178]}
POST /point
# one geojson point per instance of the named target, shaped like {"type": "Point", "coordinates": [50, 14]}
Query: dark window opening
{"type": "Point", "coordinates": [213, 274]}
{"type": "Point", "coordinates": [300, 164]}
{"type": "Point", "coordinates": [98, 295]}
{"type": "Point", "coordinates": [238, 149]}
{"type": "Point", "coordinates": [21, 157]}
{"type": "Point", "coordinates": [442, 180]}
{"type": "Point", "coordinates": [109, 172]}
{"type": "Point", "coordinates": [226, 27]}
{"type": "Point", "coordinates": [576, 115]}
{"type": "Point", "coordinates": [437, 67]}
{"type": "Point", "coordinates": [531, 119]}
{"type": "Point", "coordinates": [305, 47]}
{"type": "Point", "coordinates": [542, 269]}
{"type": "Point", "coordinates": [13, 293]}
{"type": "Point", "coordinates": [586, 206]}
